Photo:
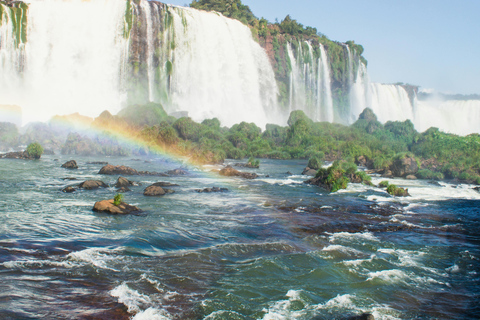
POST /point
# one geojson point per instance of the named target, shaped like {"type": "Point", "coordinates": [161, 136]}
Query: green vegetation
{"type": "Point", "coordinates": [34, 150]}
{"type": "Point", "coordinates": [338, 175]}
{"type": "Point", "coordinates": [18, 19]}
{"type": "Point", "coordinates": [397, 191]}
{"type": "Point", "coordinates": [229, 8]}
{"type": "Point", "coordinates": [117, 199]}
{"type": "Point", "coordinates": [383, 184]}
{"type": "Point", "coordinates": [253, 163]}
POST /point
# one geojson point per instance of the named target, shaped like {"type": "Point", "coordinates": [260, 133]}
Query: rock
{"type": "Point", "coordinates": [288, 173]}
{"type": "Point", "coordinates": [411, 177]}
{"type": "Point", "coordinates": [16, 155]}
{"type": "Point", "coordinates": [92, 184]}
{"type": "Point", "coordinates": [362, 161]}
{"type": "Point", "coordinates": [404, 167]}
{"type": "Point", "coordinates": [69, 189]}
{"type": "Point", "coordinates": [309, 172]}
{"type": "Point", "coordinates": [363, 316]}
{"type": "Point", "coordinates": [177, 172]}
{"type": "Point", "coordinates": [69, 178]}
{"type": "Point", "coordinates": [98, 162]}
{"type": "Point", "coordinates": [229, 171]}
{"type": "Point", "coordinates": [155, 191]}
{"type": "Point", "coordinates": [123, 170]}
{"type": "Point", "coordinates": [123, 190]}
{"type": "Point", "coordinates": [124, 182]}
{"type": "Point", "coordinates": [107, 206]}
{"type": "Point", "coordinates": [127, 171]}
{"type": "Point", "coordinates": [212, 189]}
{"type": "Point", "coordinates": [165, 184]}
{"type": "Point", "coordinates": [476, 189]}
{"type": "Point", "coordinates": [387, 174]}
{"type": "Point", "coordinates": [72, 164]}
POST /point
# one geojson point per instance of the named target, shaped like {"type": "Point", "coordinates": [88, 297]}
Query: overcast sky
{"type": "Point", "coordinates": [431, 43]}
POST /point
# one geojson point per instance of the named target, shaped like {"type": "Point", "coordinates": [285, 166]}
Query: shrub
{"type": "Point", "coordinates": [383, 184]}
{"type": "Point", "coordinates": [34, 150]}
{"type": "Point", "coordinates": [117, 199]}
{"type": "Point", "coordinates": [397, 191]}
{"type": "Point", "coordinates": [364, 176]}
{"type": "Point", "coordinates": [252, 162]}
{"type": "Point", "coordinates": [314, 163]}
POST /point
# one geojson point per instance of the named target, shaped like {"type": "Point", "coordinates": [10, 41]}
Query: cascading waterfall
{"type": "Point", "coordinates": [310, 84]}
{"type": "Point", "coordinates": [88, 56]}
{"type": "Point", "coordinates": [73, 59]}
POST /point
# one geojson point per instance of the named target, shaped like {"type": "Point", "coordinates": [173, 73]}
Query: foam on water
{"type": "Point", "coordinates": [131, 298]}
{"type": "Point", "coordinates": [98, 257]}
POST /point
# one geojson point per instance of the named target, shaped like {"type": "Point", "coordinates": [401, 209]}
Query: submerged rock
{"type": "Point", "coordinates": [229, 171]}
{"type": "Point", "coordinates": [165, 184]}
{"type": "Point", "coordinates": [69, 189]}
{"type": "Point", "coordinates": [363, 316]}
{"type": "Point", "coordinates": [212, 189]}
{"type": "Point", "coordinates": [92, 184]}
{"type": "Point", "coordinates": [72, 164]}
{"type": "Point", "coordinates": [107, 206]}
{"type": "Point", "coordinates": [177, 172]}
{"type": "Point", "coordinates": [155, 191]}
{"type": "Point", "coordinates": [123, 190]}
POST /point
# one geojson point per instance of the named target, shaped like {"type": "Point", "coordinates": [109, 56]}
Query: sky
{"type": "Point", "coordinates": [434, 44]}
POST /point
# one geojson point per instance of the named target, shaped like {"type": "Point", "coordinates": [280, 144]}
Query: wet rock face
{"type": "Point", "coordinates": [92, 184]}
{"type": "Point", "coordinates": [404, 167]}
{"type": "Point", "coordinates": [229, 171]}
{"type": "Point", "coordinates": [156, 191]}
{"type": "Point", "coordinates": [107, 206]}
{"type": "Point", "coordinates": [72, 164]}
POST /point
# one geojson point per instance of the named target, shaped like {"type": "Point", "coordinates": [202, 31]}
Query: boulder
{"type": "Point", "coordinates": [363, 316]}
{"type": "Point", "coordinates": [92, 184]}
{"type": "Point", "coordinates": [411, 177]}
{"type": "Point", "coordinates": [212, 189]}
{"type": "Point", "coordinates": [16, 155]}
{"type": "Point", "coordinates": [124, 182]}
{"type": "Point", "coordinates": [177, 172]}
{"type": "Point", "coordinates": [309, 172]}
{"type": "Point", "coordinates": [164, 184]}
{"type": "Point", "coordinates": [229, 171]}
{"type": "Point", "coordinates": [72, 164]}
{"type": "Point", "coordinates": [404, 167]}
{"type": "Point", "coordinates": [387, 174]}
{"type": "Point", "coordinates": [476, 189]}
{"type": "Point", "coordinates": [122, 170]}
{"type": "Point", "coordinates": [107, 206]}
{"type": "Point", "coordinates": [123, 190]}
{"type": "Point", "coordinates": [69, 189]}
{"type": "Point", "coordinates": [155, 191]}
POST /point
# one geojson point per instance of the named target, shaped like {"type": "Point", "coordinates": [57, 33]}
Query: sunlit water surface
{"type": "Point", "coordinates": [270, 248]}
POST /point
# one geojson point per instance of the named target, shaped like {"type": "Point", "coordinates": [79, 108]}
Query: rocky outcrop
{"type": "Point", "coordinates": [212, 189]}
{"type": "Point", "coordinates": [309, 172]}
{"type": "Point", "coordinates": [229, 171]}
{"type": "Point", "coordinates": [404, 167]}
{"type": "Point", "coordinates": [155, 191]}
{"type": "Point", "coordinates": [72, 164]}
{"type": "Point", "coordinates": [92, 184]}
{"type": "Point", "coordinates": [127, 171]}
{"type": "Point", "coordinates": [125, 183]}
{"type": "Point", "coordinates": [17, 155]}
{"type": "Point", "coordinates": [107, 206]}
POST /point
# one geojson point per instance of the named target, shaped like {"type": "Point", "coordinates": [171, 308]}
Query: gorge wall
{"type": "Point", "coordinates": [61, 57]}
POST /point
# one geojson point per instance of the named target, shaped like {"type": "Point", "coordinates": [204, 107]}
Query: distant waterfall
{"type": "Point", "coordinates": [310, 83]}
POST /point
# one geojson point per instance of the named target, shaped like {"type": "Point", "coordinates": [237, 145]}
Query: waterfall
{"type": "Point", "coordinates": [324, 72]}
{"type": "Point", "coordinates": [72, 59]}
{"type": "Point", "coordinates": [390, 102]}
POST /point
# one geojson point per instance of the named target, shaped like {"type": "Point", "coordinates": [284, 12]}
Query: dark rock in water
{"type": "Point", "coordinates": [123, 170]}
{"type": "Point", "coordinates": [411, 177]}
{"type": "Point", "coordinates": [177, 172]}
{"type": "Point", "coordinates": [92, 184]}
{"type": "Point", "coordinates": [212, 189]}
{"type": "Point", "coordinates": [155, 191]}
{"type": "Point", "coordinates": [72, 164]}
{"type": "Point", "coordinates": [229, 171]}
{"type": "Point", "coordinates": [69, 189]}
{"type": "Point", "coordinates": [69, 178]}
{"type": "Point", "coordinates": [107, 206]}
{"type": "Point", "coordinates": [404, 167]}
{"type": "Point", "coordinates": [98, 162]}
{"type": "Point", "coordinates": [127, 171]}
{"type": "Point", "coordinates": [124, 182]}
{"type": "Point", "coordinates": [165, 184]}
{"type": "Point", "coordinates": [309, 172]}
{"type": "Point", "coordinates": [477, 189]}
{"type": "Point", "coordinates": [16, 155]}
{"type": "Point", "coordinates": [363, 316]}
{"type": "Point", "coordinates": [289, 173]}
{"type": "Point", "coordinates": [435, 183]}
{"type": "Point", "coordinates": [123, 190]}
